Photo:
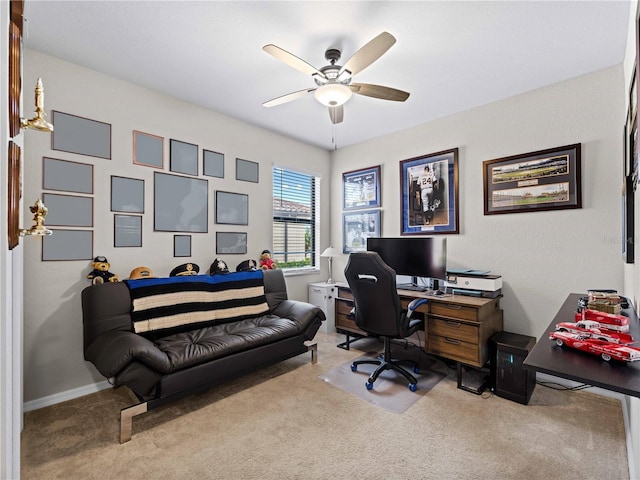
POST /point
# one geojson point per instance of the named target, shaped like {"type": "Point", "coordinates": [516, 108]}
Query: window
{"type": "Point", "coordinates": [295, 219]}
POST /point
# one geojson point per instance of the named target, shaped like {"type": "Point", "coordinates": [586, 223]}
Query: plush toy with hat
{"type": "Point", "coordinates": [265, 261]}
{"type": "Point", "coordinates": [184, 270]}
{"type": "Point", "coordinates": [100, 272]}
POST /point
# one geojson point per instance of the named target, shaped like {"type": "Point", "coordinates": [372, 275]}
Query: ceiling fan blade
{"type": "Point", "coordinates": [291, 60]}
{"type": "Point", "coordinates": [369, 53]}
{"type": "Point", "coordinates": [336, 114]}
{"type": "Point", "coordinates": [378, 91]}
{"type": "Point", "coordinates": [289, 97]}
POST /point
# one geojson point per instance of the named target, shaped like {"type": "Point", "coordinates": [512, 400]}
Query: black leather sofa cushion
{"type": "Point", "coordinates": [205, 344]}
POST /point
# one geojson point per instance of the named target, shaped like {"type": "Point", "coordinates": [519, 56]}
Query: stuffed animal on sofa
{"type": "Point", "coordinates": [265, 261]}
{"type": "Point", "coordinates": [100, 272]}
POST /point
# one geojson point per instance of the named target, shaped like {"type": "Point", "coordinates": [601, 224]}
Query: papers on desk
{"type": "Point", "coordinates": [467, 271]}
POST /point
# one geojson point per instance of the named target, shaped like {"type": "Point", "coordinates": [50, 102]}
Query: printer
{"type": "Point", "coordinates": [475, 283]}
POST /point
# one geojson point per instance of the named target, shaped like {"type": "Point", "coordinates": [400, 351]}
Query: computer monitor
{"type": "Point", "coordinates": [424, 257]}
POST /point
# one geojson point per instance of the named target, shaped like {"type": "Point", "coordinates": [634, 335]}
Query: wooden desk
{"type": "Point", "coordinates": [456, 327]}
{"type": "Point", "coordinates": [565, 362]}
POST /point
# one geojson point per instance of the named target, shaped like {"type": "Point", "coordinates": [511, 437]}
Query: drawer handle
{"type": "Point", "coordinates": [454, 307]}
{"type": "Point", "coordinates": [452, 324]}
{"type": "Point", "coordinates": [452, 341]}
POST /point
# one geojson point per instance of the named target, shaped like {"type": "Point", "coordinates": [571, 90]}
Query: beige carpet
{"type": "Point", "coordinates": [390, 390]}
{"type": "Point", "coordinates": [286, 423]}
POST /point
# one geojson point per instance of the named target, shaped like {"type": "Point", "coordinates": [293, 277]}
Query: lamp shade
{"type": "Point", "coordinates": [333, 94]}
{"type": "Point", "coordinates": [330, 252]}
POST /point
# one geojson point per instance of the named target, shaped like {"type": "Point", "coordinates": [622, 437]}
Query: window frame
{"type": "Point", "coordinates": [314, 221]}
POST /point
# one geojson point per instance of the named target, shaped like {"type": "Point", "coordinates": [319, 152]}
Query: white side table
{"type": "Point", "coordinates": [323, 295]}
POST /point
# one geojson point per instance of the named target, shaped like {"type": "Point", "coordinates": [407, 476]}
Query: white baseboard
{"type": "Point", "coordinates": [543, 377]}
{"type": "Point", "coordinates": [64, 396]}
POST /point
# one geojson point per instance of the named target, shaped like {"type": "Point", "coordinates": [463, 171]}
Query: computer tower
{"type": "Point", "coordinates": [507, 376]}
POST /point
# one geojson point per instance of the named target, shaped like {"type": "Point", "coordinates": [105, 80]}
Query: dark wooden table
{"type": "Point", "coordinates": [565, 362]}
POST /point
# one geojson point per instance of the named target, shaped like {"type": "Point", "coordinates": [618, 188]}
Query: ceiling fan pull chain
{"type": "Point", "coordinates": [334, 136]}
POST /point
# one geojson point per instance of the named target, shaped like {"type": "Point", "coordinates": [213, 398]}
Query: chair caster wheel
{"type": "Point", "coordinates": [416, 370]}
{"type": "Point", "coordinates": [354, 368]}
{"type": "Point", "coordinates": [413, 387]}
{"type": "Point", "coordinates": [369, 385]}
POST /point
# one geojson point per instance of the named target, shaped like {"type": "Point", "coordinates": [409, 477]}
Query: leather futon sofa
{"type": "Point", "coordinates": [165, 338]}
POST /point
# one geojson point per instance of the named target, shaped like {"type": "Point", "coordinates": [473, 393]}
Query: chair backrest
{"type": "Point", "coordinates": [373, 285]}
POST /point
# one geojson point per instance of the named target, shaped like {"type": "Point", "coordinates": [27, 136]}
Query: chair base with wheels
{"type": "Point", "coordinates": [385, 362]}
{"type": "Point", "coordinates": [378, 311]}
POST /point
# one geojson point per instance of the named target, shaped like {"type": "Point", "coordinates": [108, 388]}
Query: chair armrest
{"type": "Point", "coordinates": [299, 312]}
{"type": "Point", "coordinates": [113, 351]}
{"type": "Point", "coordinates": [413, 305]}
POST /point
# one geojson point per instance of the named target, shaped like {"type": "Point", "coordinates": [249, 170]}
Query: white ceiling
{"type": "Point", "coordinates": [451, 56]}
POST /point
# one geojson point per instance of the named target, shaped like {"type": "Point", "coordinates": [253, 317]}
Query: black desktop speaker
{"type": "Point", "coordinates": [507, 376]}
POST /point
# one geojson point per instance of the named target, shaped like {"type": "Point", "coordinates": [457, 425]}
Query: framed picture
{"type": "Point", "coordinates": [533, 182]}
{"type": "Point", "coordinates": [357, 227]}
{"type": "Point", "coordinates": [127, 194]}
{"type": "Point", "coordinates": [80, 135]}
{"type": "Point", "coordinates": [68, 210]}
{"type": "Point", "coordinates": [68, 245]}
{"type": "Point", "coordinates": [182, 245]}
{"type": "Point", "coordinates": [631, 165]}
{"type": "Point", "coordinates": [15, 67]}
{"type": "Point", "coordinates": [181, 204]}
{"type": "Point", "coordinates": [232, 208]}
{"type": "Point", "coordinates": [127, 230]}
{"type": "Point", "coordinates": [148, 150]}
{"type": "Point", "coordinates": [429, 193]}
{"type": "Point", "coordinates": [212, 164]}
{"type": "Point", "coordinates": [247, 171]}
{"type": "Point", "coordinates": [183, 157]}
{"type": "Point", "coordinates": [361, 188]}
{"type": "Point", "coordinates": [67, 176]}
{"type": "Point", "coordinates": [231, 243]}
{"type": "Point", "coordinates": [628, 190]}
{"type": "Point", "coordinates": [14, 192]}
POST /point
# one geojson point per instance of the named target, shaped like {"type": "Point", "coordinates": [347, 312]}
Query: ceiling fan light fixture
{"type": "Point", "coordinates": [333, 94]}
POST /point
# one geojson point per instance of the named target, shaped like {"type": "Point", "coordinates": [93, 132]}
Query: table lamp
{"type": "Point", "coordinates": [330, 253]}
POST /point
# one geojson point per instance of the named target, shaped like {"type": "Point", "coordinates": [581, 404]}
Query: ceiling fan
{"type": "Point", "coordinates": [333, 81]}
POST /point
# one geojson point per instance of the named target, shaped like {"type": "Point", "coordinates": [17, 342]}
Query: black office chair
{"type": "Point", "coordinates": [378, 311]}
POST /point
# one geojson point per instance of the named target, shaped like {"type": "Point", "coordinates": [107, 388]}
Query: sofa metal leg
{"type": "Point", "coordinates": [314, 352]}
{"type": "Point", "coordinates": [126, 420]}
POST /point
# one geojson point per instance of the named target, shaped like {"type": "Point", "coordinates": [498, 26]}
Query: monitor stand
{"type": "Point", "coordinates": [413, 286]}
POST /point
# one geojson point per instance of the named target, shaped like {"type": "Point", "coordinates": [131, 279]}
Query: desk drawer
{"type": "Point", "coordinates": [343, 307]}
{"type": "Point", "coordinates": [453, 329]}
{"type": "Point", "coordinates": [454, 349]}
{"type": "Point", "coordinates": [453, 310]}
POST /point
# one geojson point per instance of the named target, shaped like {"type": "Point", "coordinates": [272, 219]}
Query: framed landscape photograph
{"type": "Point", "coordinates": [361, 188]}
{"type": "Point", "coordinates": [532, 182]}
{"type": "Point", "coordinates": [357, 227]}
{"type": "Point", "coordinates": [429, 194]}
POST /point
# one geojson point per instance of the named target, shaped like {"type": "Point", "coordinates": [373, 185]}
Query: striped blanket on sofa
{"type": "Point", "coordinates": [176, 303]}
